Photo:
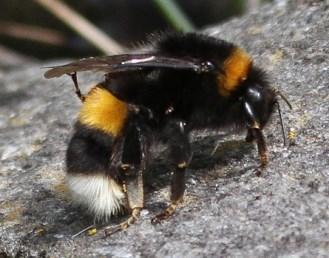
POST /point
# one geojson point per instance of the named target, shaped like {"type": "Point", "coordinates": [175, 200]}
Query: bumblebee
{"type": "Point", "coordinates": [183, 82]}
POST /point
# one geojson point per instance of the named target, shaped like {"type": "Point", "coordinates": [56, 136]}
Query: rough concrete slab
{"type": "Point", "coordinates": [229, 211]}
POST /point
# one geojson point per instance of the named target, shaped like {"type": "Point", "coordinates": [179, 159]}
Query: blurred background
{"type": "Point", "coordinates": [50, 29]}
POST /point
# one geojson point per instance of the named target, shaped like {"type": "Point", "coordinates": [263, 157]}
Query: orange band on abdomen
{"type": "Point", "coordinates": [101, 110]}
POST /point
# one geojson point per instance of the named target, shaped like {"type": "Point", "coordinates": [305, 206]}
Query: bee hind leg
{"type": "Point", "coordinates": [132, 165]}
{"type": "Point", "coordinates": [133, 187]}
{"type": "Point", "coordinates": [76, 86]}
{"type": "Point", "coordinates": [110, 230]}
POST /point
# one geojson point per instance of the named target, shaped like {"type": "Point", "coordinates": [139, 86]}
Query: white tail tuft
{"type": "Point", "coordinates": [100, 194]}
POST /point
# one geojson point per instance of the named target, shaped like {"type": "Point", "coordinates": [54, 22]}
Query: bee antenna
{"type": "Point", "coordinates": [281, 122]}
{"type": "Point", "coordinates": [277, 92]}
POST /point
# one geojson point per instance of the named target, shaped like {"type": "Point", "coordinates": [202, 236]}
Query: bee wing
{"type": "Point", "coordinates": [127, 63]}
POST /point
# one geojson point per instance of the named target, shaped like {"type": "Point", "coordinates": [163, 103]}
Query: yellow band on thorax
{"type": "Point", "coordinates": [236, 68]}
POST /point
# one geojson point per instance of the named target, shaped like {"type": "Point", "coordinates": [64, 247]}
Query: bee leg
{"type": "Point", "coordinates": [76, 85]}
{"type": "Point", "coordinates": [181, 156]}
{"type": "Point", "coordinates": [257, 134]}
{"type": "Point", "coordinates": [132, 165]}
{"type": "Point", "coordinates": [133, 187]}
{"type": "Point", "coordinates": [177, 193]}
{"type": "Point", "coordinates": [262, 149]}
{"type": "Point", "coordinates": [123, 225]}
{"type": "Point", "coordinates": [250, 136]}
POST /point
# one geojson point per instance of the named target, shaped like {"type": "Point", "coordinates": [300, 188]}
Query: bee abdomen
{"type": "Point", "coordinates": [101, 120]}
{"type": "Point", "coordinates": [99, 193]}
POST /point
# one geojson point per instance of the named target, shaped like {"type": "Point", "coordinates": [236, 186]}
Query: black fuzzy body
{"type": "Point", "coordinates": [194, 97]}
{"type": "Point", "coordinates": [169, 103]}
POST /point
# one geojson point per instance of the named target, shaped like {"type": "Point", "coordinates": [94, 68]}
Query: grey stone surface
{"type": "Point", "coordinates": [229, 211]}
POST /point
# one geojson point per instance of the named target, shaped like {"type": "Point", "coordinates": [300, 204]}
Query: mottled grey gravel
{"type": "Point", "coordinates": [229, 211]}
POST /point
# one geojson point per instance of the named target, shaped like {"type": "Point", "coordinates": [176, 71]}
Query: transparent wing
{"type": "Point", "coordinates": [129, 62]}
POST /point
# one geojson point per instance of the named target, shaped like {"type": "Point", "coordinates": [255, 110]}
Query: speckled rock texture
{"type": "Point", "coordinates": [228, 211]}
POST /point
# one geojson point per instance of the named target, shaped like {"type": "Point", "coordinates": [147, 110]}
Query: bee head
{"type": "Point", "coordinates": [258, 103]}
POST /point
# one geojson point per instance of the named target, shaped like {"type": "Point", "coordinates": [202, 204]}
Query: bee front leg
{"type": "Point", "coordinates": [256, 134]}
{"type": "Point", "coordinates": [262, 149]}
{"type": "Point", "coordinates": [181, 156]}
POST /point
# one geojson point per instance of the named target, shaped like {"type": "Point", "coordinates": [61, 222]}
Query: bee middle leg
{"type": "Point", "coordinates": [133, 151]}
{"type": "Point", "coordinates": [181, 156]}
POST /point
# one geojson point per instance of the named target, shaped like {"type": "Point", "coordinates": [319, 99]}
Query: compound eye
{"type": "Point", "coordinates": [208, 66]}
{"type": "Point", "coordinates": [254, 94]}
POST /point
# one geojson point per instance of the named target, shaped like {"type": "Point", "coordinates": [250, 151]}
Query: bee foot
{"type": "Point", "coordinates": [167, 213]}
{"type": "Point", "coordinates": [110, 230]}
